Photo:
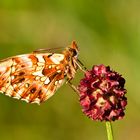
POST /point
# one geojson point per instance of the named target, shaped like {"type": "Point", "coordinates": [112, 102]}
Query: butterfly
{"type": "Point", "coordinates": [35, 77]}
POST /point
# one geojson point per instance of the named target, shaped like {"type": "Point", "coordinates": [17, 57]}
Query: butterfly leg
{"type": "Point", "coordinates": [73, 87]}
{"type": "Point", "coordinates": [81, 66]}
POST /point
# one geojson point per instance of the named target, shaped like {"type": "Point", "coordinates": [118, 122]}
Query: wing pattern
{"type": "Point", "coordinates": [33, 77]}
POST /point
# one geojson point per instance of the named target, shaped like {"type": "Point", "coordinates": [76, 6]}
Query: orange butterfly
{"type": "Point", "coordinates": [35, 77]}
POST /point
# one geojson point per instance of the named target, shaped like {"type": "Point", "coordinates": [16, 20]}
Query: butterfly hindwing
{"type": "Point", "coordinates": [33, 78]}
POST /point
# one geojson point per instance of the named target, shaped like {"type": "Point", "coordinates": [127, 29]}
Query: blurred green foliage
{"type": "Point", "coordinates": [107, 31]}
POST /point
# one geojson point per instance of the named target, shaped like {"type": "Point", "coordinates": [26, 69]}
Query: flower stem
{"type": "Point", "coordinates": [109, 130]}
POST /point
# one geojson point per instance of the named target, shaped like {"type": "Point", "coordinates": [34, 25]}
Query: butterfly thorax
{"type": "Point", "coordinates": [71, 54]}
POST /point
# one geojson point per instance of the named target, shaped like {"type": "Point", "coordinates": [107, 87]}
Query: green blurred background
{"type": "Point", "coordinates": [107, 31]}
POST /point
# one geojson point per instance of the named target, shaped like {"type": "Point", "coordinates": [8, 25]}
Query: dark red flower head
{"type": "Point", "coordinates": [102, 94]}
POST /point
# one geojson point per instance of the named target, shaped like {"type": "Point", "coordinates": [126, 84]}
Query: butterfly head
{"type": "Point", "coordinates": [73, 50]}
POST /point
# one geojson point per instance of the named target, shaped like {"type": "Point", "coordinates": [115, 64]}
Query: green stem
{"type": "Point", "coordinates": [109, 130]}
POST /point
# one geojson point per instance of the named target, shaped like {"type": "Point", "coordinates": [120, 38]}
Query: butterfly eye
{"type": "Point", "coordinates": [74, 52]}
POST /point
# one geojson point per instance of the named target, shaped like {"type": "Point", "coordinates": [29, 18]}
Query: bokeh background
{"type": "Point", "coordinates": [107, 31]}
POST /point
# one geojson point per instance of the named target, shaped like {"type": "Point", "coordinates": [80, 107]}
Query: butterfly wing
{"type": "Point", "coordinates": [33, 77]}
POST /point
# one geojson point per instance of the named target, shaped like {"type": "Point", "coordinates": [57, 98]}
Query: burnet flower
{"type": "Point", "coordinates": [102, 94]}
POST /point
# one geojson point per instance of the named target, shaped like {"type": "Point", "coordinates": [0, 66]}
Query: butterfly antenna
{"type": "Point", "coordinates": [47, 49]}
